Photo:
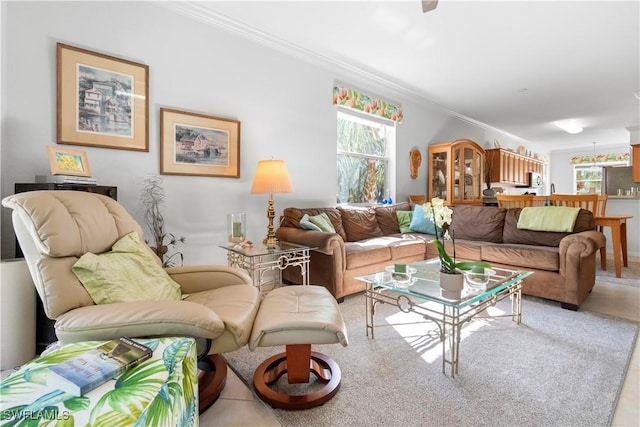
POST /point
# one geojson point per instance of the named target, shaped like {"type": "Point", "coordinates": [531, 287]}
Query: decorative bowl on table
{"type": "Point", "coordinates": [477, 279]}
{"type": "Point", "coordinates": [401, 280]}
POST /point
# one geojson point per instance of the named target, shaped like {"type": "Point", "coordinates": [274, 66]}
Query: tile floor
{"type": "Point", "coordinates": [238, 406]}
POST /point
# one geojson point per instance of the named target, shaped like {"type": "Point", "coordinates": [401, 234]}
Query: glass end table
{"type": "Point", "coordinates": [258, 260]}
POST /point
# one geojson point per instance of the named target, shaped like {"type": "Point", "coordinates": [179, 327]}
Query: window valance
{"type": "Point", "coordinates": [601, 158]}
{"type": "Point", "coordinates": [353, 99]}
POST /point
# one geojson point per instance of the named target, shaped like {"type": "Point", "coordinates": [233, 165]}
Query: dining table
{"type": "Point", "coordinates": [618, 225]}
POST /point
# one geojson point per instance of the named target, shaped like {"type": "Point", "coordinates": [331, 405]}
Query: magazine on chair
{"type": "Point", "coordinates": [84, 372]}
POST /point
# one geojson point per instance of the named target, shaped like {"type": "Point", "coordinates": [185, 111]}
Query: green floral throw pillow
{"type": "Point", "coordinates": [128, 273]}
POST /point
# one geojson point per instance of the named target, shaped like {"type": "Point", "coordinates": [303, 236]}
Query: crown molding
{"type": "Point", "coordinates": [195, 10]}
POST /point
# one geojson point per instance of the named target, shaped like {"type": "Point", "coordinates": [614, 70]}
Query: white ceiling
{"type": "Point", "coordinates": [517, 66]}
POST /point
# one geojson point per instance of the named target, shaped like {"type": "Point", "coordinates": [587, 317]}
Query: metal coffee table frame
{"type": "Point", "coordinates": [449, 315]}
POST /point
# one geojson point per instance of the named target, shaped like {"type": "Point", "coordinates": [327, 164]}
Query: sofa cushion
{"type": "Point", "coordinates": [524, 256]}
{"type": "Point", "coordinates": [359, 224]}
{"type": "Point", "coordinates": [469, 250]}
{"type": "Point", "coordinates": [512, 234]}
{"type": "Point", "coordinates": [388, 219]}
{"type": "Point", "coordinates": [405, 246]}
{"type": "Point", "coordinates": [291, 218]}
{"type": "Point", "coordinates": [366, 252]}
{"type": "Point", "coordinates": [482, 223]}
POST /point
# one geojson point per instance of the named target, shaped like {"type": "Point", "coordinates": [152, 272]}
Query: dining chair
{"type": "Point", "coordinates": [592, 202]}
{"type": "Point", "coordinates": [585, 201]}
{"type": "Point", "coordinates": [417, 199]}
{"type": "Point", "coordinates": [602, 209]}
{"type": "Point", "coordinates": [540, 201]}
{"type": "Point", "coordinates": [514, 200]}
{"type": "Point", "coordinates": [602, 205]}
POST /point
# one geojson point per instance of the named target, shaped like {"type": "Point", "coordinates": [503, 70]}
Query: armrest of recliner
{"type": "Point", "coordinates": [138, 319]}
{"type": "Point", "coordinates": [198, 278]}
{"type": "Point", "coordinates": [322, 241]}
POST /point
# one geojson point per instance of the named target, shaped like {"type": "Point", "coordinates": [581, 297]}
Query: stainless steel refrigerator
{"type": "Point", "coordinates": [616, 178]}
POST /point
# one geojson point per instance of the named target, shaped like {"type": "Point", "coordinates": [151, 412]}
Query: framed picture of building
{"type": "Point", "coordinates": [198, 144]}
{"type": "Point", "coordinates": [103, 101]}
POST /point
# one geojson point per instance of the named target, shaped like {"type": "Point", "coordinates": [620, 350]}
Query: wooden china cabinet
{"type": "Point", "coordinates": [456, 171]}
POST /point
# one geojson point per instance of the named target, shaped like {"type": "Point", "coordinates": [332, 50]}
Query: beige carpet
{"type": "Point", "coordinates": [558, 368]}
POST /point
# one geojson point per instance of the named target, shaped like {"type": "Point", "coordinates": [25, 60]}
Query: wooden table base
{"type": "Point", "coordinates": [618, 225]}
{"type": "Point", "coordinates": [297, 362]}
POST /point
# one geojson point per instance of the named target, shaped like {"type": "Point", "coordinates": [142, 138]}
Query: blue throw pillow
{"type": "Point", "coordinates": [420, 224]}
{"type": "Point", "coordinates": [307, 224]}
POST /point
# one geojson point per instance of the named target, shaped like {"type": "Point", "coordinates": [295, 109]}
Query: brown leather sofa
{"type": "Point", "coordinates": [368, 239]}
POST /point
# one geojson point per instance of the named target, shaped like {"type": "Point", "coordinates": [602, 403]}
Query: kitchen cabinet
{"type": "Point", "coordinates": [635, 162]}
{"type": "Point", "coordinates": [507, 167]}
{"type": "Point", "coordinates": [456, 171]}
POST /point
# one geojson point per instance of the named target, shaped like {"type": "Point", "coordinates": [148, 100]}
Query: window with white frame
{"type": "Point", "coordinates": [365, 158]}
{"type": "Point", "coordinates": [587, 178]}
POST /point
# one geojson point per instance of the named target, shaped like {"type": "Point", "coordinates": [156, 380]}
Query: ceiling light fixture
{"type": "Point", "coordinates": [428, 5]}
{"type": "Point", "coordinates": [638, 94]}
{"type": "Point", "coordinates": [569, 126]}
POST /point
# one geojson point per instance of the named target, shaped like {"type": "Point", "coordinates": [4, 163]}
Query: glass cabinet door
{"type": "Point", "coordinates": [473, 177]}
{"type": "Point", "coordinates": [439, 175]}
{"type": "Point", "coordinates": [456, 172]}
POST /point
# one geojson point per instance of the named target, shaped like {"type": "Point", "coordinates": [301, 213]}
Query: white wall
{"type": "Point", "coordinates": [17, 314]}
{"type": "Point", "coordinates": [282, 101]}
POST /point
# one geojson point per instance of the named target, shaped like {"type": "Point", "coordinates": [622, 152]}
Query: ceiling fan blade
{"type": "Point", "coordinates": [428, 5]}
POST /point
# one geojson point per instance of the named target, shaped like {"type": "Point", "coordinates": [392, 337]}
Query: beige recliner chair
{"type": "Point", "coordinates": [55, 228]}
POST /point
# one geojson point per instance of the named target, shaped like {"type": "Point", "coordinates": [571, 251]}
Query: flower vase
{"type": "Point", "coordinates": [451, 285]}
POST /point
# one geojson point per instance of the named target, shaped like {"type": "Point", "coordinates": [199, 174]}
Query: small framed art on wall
{"type": "Point", "coordinates": [68, 162]}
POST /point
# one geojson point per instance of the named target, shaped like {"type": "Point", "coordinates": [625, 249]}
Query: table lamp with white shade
{"type": "Point", "coordinates": [271, 177]}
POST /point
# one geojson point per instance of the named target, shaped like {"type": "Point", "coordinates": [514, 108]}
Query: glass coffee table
{"type": "Point", "coordinates": [424, 297]}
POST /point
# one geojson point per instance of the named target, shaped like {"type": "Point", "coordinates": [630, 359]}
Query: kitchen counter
{"type": "Point", "coordinates": [625, 205]}
{"type": "Point", "coordinates": [636, 197]}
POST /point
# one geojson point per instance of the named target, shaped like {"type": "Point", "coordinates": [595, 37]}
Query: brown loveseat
{"type": "Point", "coordinates": [368, 239]}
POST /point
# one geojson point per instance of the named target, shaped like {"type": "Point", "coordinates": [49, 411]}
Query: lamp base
{"type": "Point", "coordinates": [271, 242]}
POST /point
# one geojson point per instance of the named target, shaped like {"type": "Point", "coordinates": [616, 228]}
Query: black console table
{"type": "Point", "coordinates": [45, 332]}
